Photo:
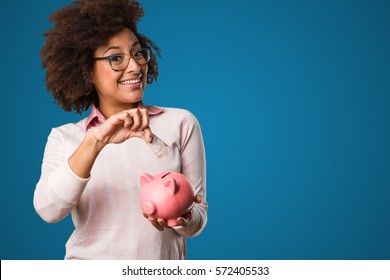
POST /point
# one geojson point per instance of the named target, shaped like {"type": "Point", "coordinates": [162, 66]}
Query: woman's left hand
{"type": "Point", "coordinates": [183, 221]}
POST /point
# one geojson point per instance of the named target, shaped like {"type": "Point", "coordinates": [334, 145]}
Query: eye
{"type": "Point", "coordinates": [138, 54]}
{"type": "Point", "coordinates": [117, 58]}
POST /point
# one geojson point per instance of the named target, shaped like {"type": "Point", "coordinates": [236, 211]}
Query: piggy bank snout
{"type": "Point", "coordinates": [148, 207]}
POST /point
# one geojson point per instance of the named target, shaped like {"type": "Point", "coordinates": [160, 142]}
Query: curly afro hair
{"type": "Point", "coordinates": [79, 29]}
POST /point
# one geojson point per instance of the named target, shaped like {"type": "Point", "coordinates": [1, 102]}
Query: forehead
{"type": "Point", "coordinates": [124, 40]}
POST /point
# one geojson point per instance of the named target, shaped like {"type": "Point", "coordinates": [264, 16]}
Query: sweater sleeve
{"type": "Point", "coordinates": [194, 168]}
{"type": "Point", "coordinates": [59, 188]}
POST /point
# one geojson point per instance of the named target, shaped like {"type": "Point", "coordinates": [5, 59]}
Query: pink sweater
{"type": "Point", "coordinates": [105, 208]}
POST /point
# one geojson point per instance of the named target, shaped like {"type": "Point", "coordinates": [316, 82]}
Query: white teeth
{"type": "Point", "coordinates": [128, 82]}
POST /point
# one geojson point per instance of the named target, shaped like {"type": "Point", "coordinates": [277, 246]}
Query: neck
{"type": "Point", "coordinates": [108, 111]}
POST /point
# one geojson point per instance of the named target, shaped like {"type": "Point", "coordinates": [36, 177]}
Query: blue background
{"type": "Point", "coordinates": [293, 100]}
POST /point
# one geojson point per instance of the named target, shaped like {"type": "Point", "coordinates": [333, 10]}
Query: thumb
{"type": "Point", "coordinates": [145, 134]}
{"type": "Point", "coordinates": [198, 198]}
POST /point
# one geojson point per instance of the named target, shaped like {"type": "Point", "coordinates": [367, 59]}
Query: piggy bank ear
{"type": "Point", "coordinates": [145, 178]}
{"type": "Point", "coordinates": [172, 185]}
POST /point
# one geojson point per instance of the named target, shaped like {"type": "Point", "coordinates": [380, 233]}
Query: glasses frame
{"type": "Point", "coordinates": [129, 56]}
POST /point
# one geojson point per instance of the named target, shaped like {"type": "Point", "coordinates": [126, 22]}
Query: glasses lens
{"type": "Point", "coordinates": [118, 61]}
{"type": "Point", "coordinates": [142, 56]}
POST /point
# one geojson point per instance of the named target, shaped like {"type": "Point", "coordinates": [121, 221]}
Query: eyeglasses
{"type": "Point", "coordinates": [120, 61]}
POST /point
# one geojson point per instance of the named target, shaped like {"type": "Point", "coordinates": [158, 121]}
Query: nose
{"type": "Point", "coordinates": [132, 66]}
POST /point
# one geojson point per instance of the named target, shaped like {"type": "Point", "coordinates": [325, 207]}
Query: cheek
{"type": "Point", "coordinates": [102, 77]}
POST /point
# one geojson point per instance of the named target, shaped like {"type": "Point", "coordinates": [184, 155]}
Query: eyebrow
{"type": "Point", "coordinates": [118, 48]}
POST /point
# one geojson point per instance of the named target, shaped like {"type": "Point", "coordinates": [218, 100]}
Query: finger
{"type": "Point", "coordinates": [136, 120]}
{"type": "Point", "coordinates": [181, 221]}
{"type": "Point", "coordinates": [148, 135]}
{"type": "Point", "coordinates": [163, 223]}
{"type": "Point", "coordinates": [154, 222]}
{"type": "Point", "coordinates": [117, 120]}
{"type": "Point", "coordinates": [144, 119]}
{"type": "Point", "coordinates": [198, 198]}
{"type": "Point", "coordinates": [128, 120]}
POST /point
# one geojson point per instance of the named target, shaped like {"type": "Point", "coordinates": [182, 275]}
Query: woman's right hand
{"type": "Point", "coordinates": [116, 129]}
{"type": "Point", "coordinates": [124, 125]}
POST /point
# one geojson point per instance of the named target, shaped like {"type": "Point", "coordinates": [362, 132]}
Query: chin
{"type": "Point", "coordinates": [135, 98]}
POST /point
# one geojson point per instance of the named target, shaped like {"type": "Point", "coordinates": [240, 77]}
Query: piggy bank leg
{"type": "Point", "coordinates": [172, 222]}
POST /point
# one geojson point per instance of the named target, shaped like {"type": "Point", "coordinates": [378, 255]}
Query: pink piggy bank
{"type": "Point", "coordinates": [167, 195]}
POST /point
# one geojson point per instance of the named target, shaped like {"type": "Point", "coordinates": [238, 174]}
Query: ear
{"type": "Point", "coordinates": [172, 185]}
{"type": "Point", "coordinates": [145, 178]}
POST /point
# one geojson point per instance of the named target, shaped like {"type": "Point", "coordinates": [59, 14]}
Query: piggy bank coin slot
{"type": "Point", "coordinates": [165, 175]}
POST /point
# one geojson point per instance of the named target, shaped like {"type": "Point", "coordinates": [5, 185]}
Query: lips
{"type": "Point", "coordinates": [132, 81]}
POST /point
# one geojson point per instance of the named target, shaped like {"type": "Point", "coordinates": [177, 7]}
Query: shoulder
{"type": "Point", "coordinates": [174, 122]}
{"type": "Point", "coordinates": [69, 130]}
{"type": "Point", "coordinates": [177, 115]}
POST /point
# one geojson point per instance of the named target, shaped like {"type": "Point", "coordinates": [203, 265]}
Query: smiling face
{"type": "Point", "coordinates": [119, 90]}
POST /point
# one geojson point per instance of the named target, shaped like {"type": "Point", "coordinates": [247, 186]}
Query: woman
{"type": "Point", "coordinates": [95, 57]}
